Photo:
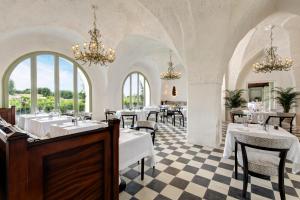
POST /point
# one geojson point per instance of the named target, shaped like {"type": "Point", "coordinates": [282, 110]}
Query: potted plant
{"type": "Point", "coordinates": [234, 99]}
{"type": "Point", "coordinates": [286, 97]}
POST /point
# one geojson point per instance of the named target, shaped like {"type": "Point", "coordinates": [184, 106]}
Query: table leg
{"type": "Point", "coordinates": [122, 186]}
{"type": "Point", "coordinates": [142, 168]}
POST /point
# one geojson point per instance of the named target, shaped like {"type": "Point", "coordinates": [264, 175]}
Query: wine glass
{"type": "Point", "coordinates": [249, 118]}
{"type": "Point", "coordinates": [261, 119]}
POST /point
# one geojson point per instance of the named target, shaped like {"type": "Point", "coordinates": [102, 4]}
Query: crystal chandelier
{"type": "Point", "coordinates": [94, 51]}
{"type": "Point", "coordinates": [171, 74]}
{"type": "Point", "coordinates": [272, 61]}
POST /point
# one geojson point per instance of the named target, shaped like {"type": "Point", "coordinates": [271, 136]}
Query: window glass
{"type": "Point", "coordinates": [45, 83]}
{"type": "Point", "coordinates": [19, 87]}
{"type": "Point", "coordinates": [141, 86]}
{"type": "Point", "coordinates": [136, 92]}
{"type": "Point", "coordinates": [83, 92]}
{"type": "Point", "coordinates": [20, 82]}
{"type": "Point", "coordinates": [66, 85]}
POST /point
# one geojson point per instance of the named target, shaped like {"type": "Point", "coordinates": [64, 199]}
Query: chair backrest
{"type": "Point", "coordinates": [291, 115]}
{"type": "Point", "coordinates": [128, 113]}
{"type": "Point", "coordinates": [110, 115]}
{"type": "Point", "coordinates": [264, 142]}
{"type": "Point", "coordinates": [178, 112]}
{"type": "Point", "coordinates": [146, 124]}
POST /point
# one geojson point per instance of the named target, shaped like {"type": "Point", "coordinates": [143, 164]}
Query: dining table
{"type": "Point", "coordinates": [40, 126]}
{"type": "Point", "coordinates": [135, 146]}
{"type": "Point", "coordinates": [271, 132]}
{"type": "Point", "coordinates": [23, 121]}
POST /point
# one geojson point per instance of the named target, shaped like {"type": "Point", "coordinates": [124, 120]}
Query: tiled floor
{"type": "Point", "coordinates": [187, 172]}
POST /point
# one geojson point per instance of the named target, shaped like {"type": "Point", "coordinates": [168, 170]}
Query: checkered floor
{"type": "Point", "coordinates": [187, 172]}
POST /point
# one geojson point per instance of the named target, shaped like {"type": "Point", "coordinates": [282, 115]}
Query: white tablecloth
{"type": "Point", "coordinates": [24, 120]}
{"type": "Point", "coordinates": [151, 108]}
{"type": "Point", "coordinates": [133, 146]}
{"type": "Point", "coordinates": [40, 127]}
{"type": "Point", "coordinates": [141, 114]}
{"type": "Point", "coordinates": [256, 130]}
{"type": "Point", "coordinates": [56, 130]}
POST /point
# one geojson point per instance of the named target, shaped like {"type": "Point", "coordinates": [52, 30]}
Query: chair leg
{"type": "Point", "coordinates": [142, 168]}
{"type": "Point", "coordinates": [281, 184]}
{"type": "Point", "coordinates": [245, 183]}
{"type": "Point", "coordinates": [236, 170]}
{"type": "Point", "coordinates": [235, 162]}
{"type": "Point", "coordinates": [153, 138]}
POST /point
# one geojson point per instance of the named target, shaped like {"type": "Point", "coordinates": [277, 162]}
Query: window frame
{"type": "Point", "coordinates": [33, 78]}
{"type": "Point", "coordinates": [130, 88]}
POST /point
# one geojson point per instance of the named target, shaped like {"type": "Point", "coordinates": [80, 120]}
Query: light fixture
{"type": "Point", "coordinates": [171, 74]}
{"type": "Point", "coordinates": [174, 91]}
{"type": "Point", "coordinates": [272, 61]}
{"type": "Point", "coordinates": [94, 51]}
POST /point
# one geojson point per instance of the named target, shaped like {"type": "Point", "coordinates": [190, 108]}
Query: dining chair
{"type": "Point", "coordinates": [148, 126]}
{"type": "Point", "coordinates": [285, 120]}
{"type": "Point", "coordinates": [237, 116]}
{"type": "Point", "coordinates": [254, 155]}
{"type": "Point", "coordinates": [110, 115]}
{"type": "Point", "coordinates": [155, 113]}
{"type": "Point", "coordinates": [128, 117]}
{"type": "Point", "coordinates": [162, 114]}
{"type": "Point", "coordinates": [178, 115]}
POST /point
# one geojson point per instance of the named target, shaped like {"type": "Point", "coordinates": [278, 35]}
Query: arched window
{"type": "Point", "coordinates": [44, 81]}
{"type": "Point", "coordinates": [136, 91]}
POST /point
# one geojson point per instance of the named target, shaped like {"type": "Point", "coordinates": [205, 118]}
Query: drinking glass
{"type": "Point", "coordinates": [249, 118]}
{"type": "Point", "coordinates": [260, 119]}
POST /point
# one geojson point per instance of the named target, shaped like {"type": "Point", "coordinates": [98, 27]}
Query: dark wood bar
{"type": "Point", "coordinates": [78, 166]}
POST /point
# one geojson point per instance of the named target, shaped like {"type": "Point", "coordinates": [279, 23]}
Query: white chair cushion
{"type": "Point", "coordinates": [262, 163]}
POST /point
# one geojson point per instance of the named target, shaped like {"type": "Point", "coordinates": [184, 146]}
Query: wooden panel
{"type": "Point", "coordinates": [9, 114]}
{"type": "Point", "coordinates": [75, 174]}
{"type": "Point", "coordinates": [2, 175]}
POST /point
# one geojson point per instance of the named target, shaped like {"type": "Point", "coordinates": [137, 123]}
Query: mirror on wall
{"type": "Point", "coordinates": [261, 94]}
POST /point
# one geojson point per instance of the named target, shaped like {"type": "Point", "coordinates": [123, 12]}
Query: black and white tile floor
{"type": "Point", "coordinates": [187, 172]}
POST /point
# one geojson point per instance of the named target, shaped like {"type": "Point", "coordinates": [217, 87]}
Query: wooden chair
{"type": "Point", "coordinates": [237, 113]}
{"type": "Point", "coordinates": [155, 113]}
{"type": "Point", "coordinates": [148, 126]}
{"type": "Point", "coordinates": [178, 116]}
{"type": "Point", "coordinates": [253, 157]}
{"type": "Point", "coordinates": [128, 116]}
{"type": "Point", "coordinates": [284, 119]}
{"type": "Point", "coordinates": [110, 115]}
{"type": "Point", "coordinates": [162, 113]}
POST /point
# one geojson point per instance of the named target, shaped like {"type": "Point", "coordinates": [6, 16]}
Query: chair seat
{"type": "Point", "coordinates": [261, 163]}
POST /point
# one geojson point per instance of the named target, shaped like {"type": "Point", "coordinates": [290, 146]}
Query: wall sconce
{"type": "Point", "coordinates": [174, 91]}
